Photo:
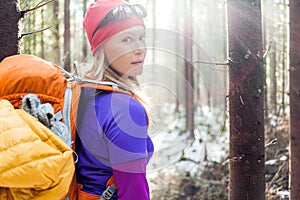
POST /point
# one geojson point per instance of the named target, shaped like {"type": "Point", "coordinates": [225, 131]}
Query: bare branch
{"type": "Point", "coordinates": [268, 48]}
{"type": "Point", "coordinates": [64, 58]}
{"type": "Point", "coordinates": [39, 5]}
{"type": "Point", "coordinates": [281, 167]}
{"type": "Point", "coordinates": [272, 142]}
{"type": "Point", "coordinates": [189, 159]}
{"type": "Point", "coordinates": [33, 32]}
{"type": "Point", "coordinates": [184, 158]}
{"type": "Point", "coordinates": [210, 63]}
{"type": "Point", "coordinates": [270, 43]}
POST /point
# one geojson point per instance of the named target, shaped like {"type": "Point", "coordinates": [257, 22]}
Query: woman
{"type": "Point", "coordinates": [112, 137]}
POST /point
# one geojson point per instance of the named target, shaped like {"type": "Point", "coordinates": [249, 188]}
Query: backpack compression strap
{"type": "Point", "coordinates": [110, 189]}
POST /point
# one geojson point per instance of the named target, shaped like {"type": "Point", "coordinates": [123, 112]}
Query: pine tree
{"type": "Point", "coordinates": [294, 99]}
{"type": "Point", "coordinates": [246, 100]}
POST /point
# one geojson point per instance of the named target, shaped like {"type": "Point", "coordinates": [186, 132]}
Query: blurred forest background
{"type": "Point", "coordinates": [187, 50]}
{"type": "Point", "coordinates": [170, 25]}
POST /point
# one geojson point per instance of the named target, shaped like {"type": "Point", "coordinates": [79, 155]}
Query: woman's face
{"type": "Point", "coordinates": [126, 51]}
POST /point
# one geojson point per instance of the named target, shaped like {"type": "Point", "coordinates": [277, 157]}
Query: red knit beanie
{"type": "Point", "coordinates": [95, 14]}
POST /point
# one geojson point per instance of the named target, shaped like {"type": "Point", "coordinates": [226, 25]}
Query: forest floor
{"type": "Point", "coordinates": [198, 169]}
{"type": "Point", "coordinates": [277, 160]}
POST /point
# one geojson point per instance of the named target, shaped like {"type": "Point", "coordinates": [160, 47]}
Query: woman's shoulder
{"type": "Point", "coordinates": [119, 99]}
{"type": "Point", "coordinates": [120, 104]}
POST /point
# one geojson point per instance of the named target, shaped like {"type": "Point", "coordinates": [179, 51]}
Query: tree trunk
{"type": "Point", "coordinates": [67, 37]}
{"type": "Point", "coordinates": [84, 44]}
{"type": "Point", "coordinates": [33, 49]}
{"type": "Point", "coordinates": [9, 30]}
{"type": "Point", "coordinates": [246, 99]}
{"type": "Point", "coordinates": [42, 35]}
{"type": "Point", "coordinates": [265, 43]}
{"type": "Point", "coordinates": [273, 81]}
{"type": "Point", "coordinates": [225, 49]}
{"type": "Point", "coordinates": [294, 100]}
{"type": "Point", "coordinates": [56, 34]}
{"type": "Point", "coordinates": [188, 69]}
{"type": "Point", "coordinates": [284, 53]}
{"type": "Point", "coordinates": [178, 66]}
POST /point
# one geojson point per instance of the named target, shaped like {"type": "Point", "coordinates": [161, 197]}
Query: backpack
{"type": "Point", "coordinates": [25, 74]}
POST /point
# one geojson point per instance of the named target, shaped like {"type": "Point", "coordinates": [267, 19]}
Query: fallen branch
{"type": "Point", "coordinates": [277, 175]}
{"type": "Point", "coordinates": [189, 159]}
{"type": "Point", "coordinates": [183, 158]}
{"type": "Point", "coordinates": [272, 142]}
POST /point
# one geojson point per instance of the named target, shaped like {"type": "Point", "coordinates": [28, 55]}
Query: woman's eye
{"type": "Point", "coordinates": [127, 40]}
{"type": "Point", "coordinates": [142, 38]}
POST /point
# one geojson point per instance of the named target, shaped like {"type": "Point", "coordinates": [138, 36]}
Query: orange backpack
{"type": "Point", "coordinates": [23, 74]}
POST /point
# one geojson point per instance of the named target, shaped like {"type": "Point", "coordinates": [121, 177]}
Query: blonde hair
{"type": "Point", "coordinates": [96, 70]}
{"type": "Point", "coordinates": [100, 71]}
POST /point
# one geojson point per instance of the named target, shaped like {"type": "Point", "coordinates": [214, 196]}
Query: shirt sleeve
{"type": "Point", "coordinates": [125, 128]}
{"type": "Point", "coordinates": [131, 185]}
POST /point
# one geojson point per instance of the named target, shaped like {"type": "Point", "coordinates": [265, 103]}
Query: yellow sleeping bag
{"type": "Point", "coordinates": [35, 164]}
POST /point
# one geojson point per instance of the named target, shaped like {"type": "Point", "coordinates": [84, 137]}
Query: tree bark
{"type": "Point", "coordinates": [294, 180]}
{"type": "Point", "coordinates": [246, 101]}
{"type": "Point", "coordinates": [9, 30]}
{"type": "Point", "coordinates": [265, 29]}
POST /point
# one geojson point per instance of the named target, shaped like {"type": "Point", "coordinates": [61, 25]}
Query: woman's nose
{"type": "Point", "coordinates": [140, 47]}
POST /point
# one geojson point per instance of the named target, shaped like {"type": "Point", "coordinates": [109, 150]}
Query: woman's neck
{"type": "Point", "coordinates": [115, 71]}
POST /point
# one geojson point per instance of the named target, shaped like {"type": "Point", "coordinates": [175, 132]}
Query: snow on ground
{"type": "Point", "coordinates": [175, 151]}
{"type": "Point", "coordinates": [172, 143]}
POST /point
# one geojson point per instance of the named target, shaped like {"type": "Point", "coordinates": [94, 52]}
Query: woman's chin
{"type": "Point", "coordinates": [136, 71]}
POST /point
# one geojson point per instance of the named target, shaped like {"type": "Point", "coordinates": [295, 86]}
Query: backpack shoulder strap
{"type": "Point", "coordinates": [72, 97]}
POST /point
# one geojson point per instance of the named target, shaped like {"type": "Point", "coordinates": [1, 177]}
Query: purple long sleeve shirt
{"type": "Point", "coordinates": [113, 139]}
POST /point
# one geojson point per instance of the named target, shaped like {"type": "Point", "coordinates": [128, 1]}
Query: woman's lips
{"type": "Point", "coordinates": [138, 63]}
